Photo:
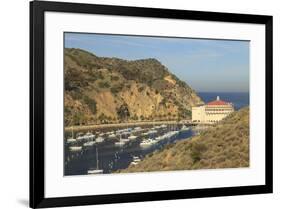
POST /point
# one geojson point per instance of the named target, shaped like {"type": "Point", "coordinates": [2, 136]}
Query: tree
{"type": "Point", "coordinates": [135, 117]}
{"type": "Point", "coordinates": [78, 118]}
{"type": "Point", "coordinates": [91, 104]}
{"type": "Point", "coordinates": [102, 118]}
{"type": "Point", "coordinates": [123, 112]}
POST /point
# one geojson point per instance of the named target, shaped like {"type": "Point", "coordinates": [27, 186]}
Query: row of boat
{"type": "Point", "coordinates": [122, 137]}
{"type": "Point", "coordinates": [90, 139]}
{"type": "Point", "coordinates": [153, 140]}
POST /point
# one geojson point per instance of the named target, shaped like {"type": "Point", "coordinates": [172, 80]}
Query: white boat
{"type": "Point", "coordinates": [75, 148]}
{"type": "Point", "coordinates": [99, 139]}
{"type": "Point", "coordinates": [94, 171]}
{"type": "Point", "coordinates": [145, 134]}
{"type": "Point", "coordinates": [137, 128]}
{"type": "Point", "coordinates": [97, 170]}
{"type": "Point", "coordinates": [135, 161]}
{"type": "Point", "coordinates": [70, 140]}
{"type": "Point", "coordinates": [118, 131]}
{"type": "Point", "coordinates": [88, 133]}
{"type": "Point", "coordinates": [125, 140]}
{"type": "Point", "coordinates": [110, 132]}
{"type": "Point", "coordinates": [126, 132]}
{"type": "Point", "coordinates": [79, 134]}
{"type": "Point", "coordinates": [111, 136]}
{"type": "Point", "coordinates": [121, 142]}
{"type": "Point", "coordinates": [89, 144]}
{"type": "Point", "coordinates": [89, 136]}
{"type": "Point", "coordinates": [152, 132]}
{"type": "Point", "coordinates": [159, 138]}
{"type": "Point", "coordinates": [80, 138]}
{"type": "Point", "coordinates": [184, 128]}
{"type": "Point", "coordinates": [132, 137]}
{"type": "Point", "coordinates": [163, 126]}
{"type": "Point", "coordinates": [147, 142]}
{"type": "Point", "coordinates": [166, 135]}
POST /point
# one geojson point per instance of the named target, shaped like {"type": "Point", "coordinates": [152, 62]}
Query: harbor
{"type": "Point", "coordinates": [107, 148]}
{"type": "Point", "coordinates": [111, 149]}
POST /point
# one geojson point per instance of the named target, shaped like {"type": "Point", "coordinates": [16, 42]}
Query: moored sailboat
{"type": "Point", "coordinates": [147, 142]}
{"type": "Point", "coordinates": [72, 139]}
{"type": "Point", "coordinates": [99, 139]}
{"type": "Point", "coordinates": [75, 148]}
{"type": "Point", "coordinates": [120, 142]}
{"type": "Point", "coordinates": [97, 170]}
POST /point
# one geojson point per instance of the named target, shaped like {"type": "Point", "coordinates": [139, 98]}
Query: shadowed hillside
{"type": "Point", "coordinates": [110, 90]}
{"type": "Point", "coordinates": [226, 145]}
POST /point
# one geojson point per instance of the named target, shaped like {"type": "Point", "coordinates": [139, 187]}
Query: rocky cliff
{"type": "Point", "coordinates": [109, 90]}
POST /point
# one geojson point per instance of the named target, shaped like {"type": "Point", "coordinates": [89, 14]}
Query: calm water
{"type": "Point", "coordinates": [112, 158]}
{"type": "Point", "coordinates": [238, 99]}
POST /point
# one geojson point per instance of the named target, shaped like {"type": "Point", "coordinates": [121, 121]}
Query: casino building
{"type": "Point", "coordinates": [211, 112]}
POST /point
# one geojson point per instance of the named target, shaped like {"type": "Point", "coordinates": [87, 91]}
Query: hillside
{"type": "Point", "coordinates": [109, 90]}
{"type": "Point", "coordinates": [224, 146]}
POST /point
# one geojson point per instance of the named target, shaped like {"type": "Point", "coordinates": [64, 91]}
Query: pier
{"type": "Point", "coordinates": [125, 124]}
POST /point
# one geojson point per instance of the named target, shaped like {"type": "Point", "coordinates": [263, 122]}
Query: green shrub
{"type": "Point", "coordinates": [197, 150]}
{"type": "Point", "coordinates": [103, 84]}
{"type": "Point", "coordinates": [140, 89]}
{"type": "Point", "coordinates": [79, 118]}
{"type": "Point", "coordinates": [91, 103]}
{"type": "Point", "coordinates": [116, 89]}
{"type": "Point", "coordinates": [123, 112]}
{"type": "Point", "coordinates": [114, 78]}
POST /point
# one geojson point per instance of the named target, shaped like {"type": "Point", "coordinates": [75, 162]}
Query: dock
{"type": "Point", "coordinates": [123, 125]}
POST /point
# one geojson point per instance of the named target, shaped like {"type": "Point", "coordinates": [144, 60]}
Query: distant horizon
{"type": "Point", "coordinates": [205, 65]}
{"type": "Point", "coordinates": [222, 91]}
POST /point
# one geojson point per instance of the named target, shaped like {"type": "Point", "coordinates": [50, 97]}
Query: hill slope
{"type": "Point", "coordinates": [107, 90]}
{"type": "Point", "coordinates": [224, 146]}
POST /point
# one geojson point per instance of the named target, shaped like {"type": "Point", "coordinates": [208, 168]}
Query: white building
{"type": "Point", "coordinates": [211, 112]}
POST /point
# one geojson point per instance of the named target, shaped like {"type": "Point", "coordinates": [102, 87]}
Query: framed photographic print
{"type": "Point", "coordinates": [135, 104]}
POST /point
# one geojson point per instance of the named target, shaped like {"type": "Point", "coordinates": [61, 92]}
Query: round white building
{"type": "Point", "coordinates": [211, 112]}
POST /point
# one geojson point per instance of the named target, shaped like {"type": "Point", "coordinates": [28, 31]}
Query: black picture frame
{"type": "Point", "coordinates": [37, 101]}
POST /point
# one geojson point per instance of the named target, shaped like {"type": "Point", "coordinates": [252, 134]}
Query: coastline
{"type": "Point", "coordinates": [117, 125]}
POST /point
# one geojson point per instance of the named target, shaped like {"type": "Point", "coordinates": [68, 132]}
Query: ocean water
{"type": "Point", "coordinates": [239, 99]}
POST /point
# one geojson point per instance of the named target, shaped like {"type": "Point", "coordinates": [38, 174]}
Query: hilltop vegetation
{"type": "Point", "coordinates": [109, 90]}
{"type": "Point", "coordinates": [225, 145]}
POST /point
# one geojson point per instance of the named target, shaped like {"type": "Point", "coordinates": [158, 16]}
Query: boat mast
{"type": "Point", "coordinates": [72, 132]}
{"type": "Point", "coordinates": [97, 156]}
{"type": "Point", "coordinates": [120, 136]}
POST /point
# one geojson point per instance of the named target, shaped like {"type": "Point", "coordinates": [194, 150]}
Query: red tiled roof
{"type": "Point", "coordinates": [218, 102]}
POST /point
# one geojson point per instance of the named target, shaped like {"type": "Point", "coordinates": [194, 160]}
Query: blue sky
{"type": "Point", "coordinates": [206, 65]}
